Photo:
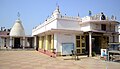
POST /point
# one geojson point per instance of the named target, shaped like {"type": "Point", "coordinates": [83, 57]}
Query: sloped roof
{"type": "Point", "coordinates": [4, 33]}
{"type": "Point", "coordinates": [17, 29]}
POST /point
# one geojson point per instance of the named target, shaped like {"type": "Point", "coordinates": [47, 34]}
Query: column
{"type": "Point", "coordinates": [23, 42]}
{"type": "Point", "coordinates": [55, 42]}
{"type": "Point", "coordinates": [35, 42]}
{"type": "Point", "coordinates": [113, 37]}
{"type": "Point", "coordinates": [11, 43]}
{"type": "Point", "coordinates": [40, 42]}
{"type": "Point", "coordinates": [0, 42]}
{"type": "Point", "coordinates": [90, 44]}
{"type": "Point", "coordinates": [46, 42]}
{"type": "Point", "coordinates": [52, 43]}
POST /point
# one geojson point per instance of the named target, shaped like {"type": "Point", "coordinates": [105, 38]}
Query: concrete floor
{"type": "Point", "coordinates": [37, 60]}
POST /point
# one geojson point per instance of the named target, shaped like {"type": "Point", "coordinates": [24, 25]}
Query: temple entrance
{"type": "Point", "coordinates": [96, 44]}
{"type": "Point", "coordinates": [16, 42]}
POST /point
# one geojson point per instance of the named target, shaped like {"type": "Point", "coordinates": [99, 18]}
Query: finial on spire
{"type": "Point", "coordinates": [18, 15]}
{"type": "Point", "coordinates": [57, 7]}
{"type": "Point", "coordinates": [56, 3]}
{"type": "Point", "coordinates": [90, 13]}
{"type": "Point", "coordinates": [78, 15]}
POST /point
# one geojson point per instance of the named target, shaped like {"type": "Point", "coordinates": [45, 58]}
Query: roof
{"type": "Point", "coordinates": [61, 31]}
{"type": "Point", "coordinates": [17, 29]}
{"type": "Point", "coordinates": [101, 22]}
{"type": "Point", "coordinates": [4, 33]}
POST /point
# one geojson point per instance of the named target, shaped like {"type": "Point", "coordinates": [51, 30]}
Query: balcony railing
{"type": "Point", "coordinates": [97, 17]}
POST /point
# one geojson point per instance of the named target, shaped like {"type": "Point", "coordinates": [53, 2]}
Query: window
{"type": "Point", "coordinates": [78, 50]}
{"type": "Point", "coordinates": [78, 43]}
{"type": "Point", "coordinates": [83, 50]}
{"type": "Point", "coordinates": [103, 27]}
{"type": "Point", "coordinates": [77, 37]}
{"type": "Point", "coordinates": [83, 44]}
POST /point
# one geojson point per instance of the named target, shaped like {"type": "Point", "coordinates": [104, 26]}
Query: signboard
{"type": "Point", "coordinates": [66, 48]}
{"type": "Point", "coordinates": [102, 50]}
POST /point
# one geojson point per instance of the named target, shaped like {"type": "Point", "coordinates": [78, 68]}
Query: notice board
{"type": "Point", "coordinates": [66, 48]}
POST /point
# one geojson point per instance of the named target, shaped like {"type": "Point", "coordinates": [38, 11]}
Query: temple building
{"type": "Point", "coordinates": [15, 37]}
{"type": "Point", "coordinates": [65, 34]}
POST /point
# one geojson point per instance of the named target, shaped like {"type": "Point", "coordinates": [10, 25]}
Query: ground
{"type": "Point", "coordinates": [37, 60]}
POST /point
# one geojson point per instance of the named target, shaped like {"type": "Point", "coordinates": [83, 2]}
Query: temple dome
{"type": "Point", "coordinates": [56, 12]}
{"type": "Point", "coordinates": [17, 29]}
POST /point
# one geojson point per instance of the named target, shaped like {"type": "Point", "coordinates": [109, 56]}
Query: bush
{"type": "Point", "coordinates": [93, 54]}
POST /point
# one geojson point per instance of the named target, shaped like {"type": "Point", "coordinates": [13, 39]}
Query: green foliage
{"type": "Point", "coordinates": [93, 54]}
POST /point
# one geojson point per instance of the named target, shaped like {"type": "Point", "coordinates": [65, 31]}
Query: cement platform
{"type": "Point", "coordinates": [37, 60]}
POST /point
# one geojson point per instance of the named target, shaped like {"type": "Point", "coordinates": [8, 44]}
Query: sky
{"type": "Point", "coordinates": [35, 12]}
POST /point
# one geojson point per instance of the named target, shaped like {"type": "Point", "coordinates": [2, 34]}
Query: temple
{"type": "Point", "coordinates": [61, 35]}
{"type": "Point", "coordinates": [64, 34]}
{"type": "Point", "coordinates": [15, 37]}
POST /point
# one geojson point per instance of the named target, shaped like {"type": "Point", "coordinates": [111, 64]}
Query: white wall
{"type": "Point", "coordinates": [116, 28]}
{"type": "Point", "coordinates": [68, 24]}
{"type": "Point", "coordinates": [60, 38]}
{"type": "Point", "coordinates": [0, 41]}
{"type": "Point", "coordinates": [52, 25]}
{"type": "Point", "coordinates": [45, 27]}
{"type": "Point", "coordinates": [119, 32]}
{"type": "Point", "coordinates": [8, 42]}
{"type": "Point", "coordinates": [116, 38]}
{"type": "Point", "coordinates": [95, 26]}
{"type": "Point", "coordinates": [85, 27]}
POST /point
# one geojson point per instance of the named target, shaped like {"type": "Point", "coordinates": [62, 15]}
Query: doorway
{"type": "Point", "coordinates": [16, 42]}
{"type": "Point", "coordinates": [96, 44]}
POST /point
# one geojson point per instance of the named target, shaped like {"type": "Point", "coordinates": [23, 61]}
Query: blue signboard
{"type": "Point", "coordinates": [66, 48]}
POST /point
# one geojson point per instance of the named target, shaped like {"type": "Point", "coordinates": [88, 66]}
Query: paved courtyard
{"type": "Point", "coordinates": [36, 60]}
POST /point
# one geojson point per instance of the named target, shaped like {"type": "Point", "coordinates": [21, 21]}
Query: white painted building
{"type": "Point", "coordinates": [15, 38]}
{"type": "Point", "coordinates": [119, 32]}
{"type": "Point", "coordinates": [83, 35]}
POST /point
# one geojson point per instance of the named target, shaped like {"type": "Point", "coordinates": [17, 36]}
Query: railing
{"type": "Point", "coordinates": [71, 18]}
{"type": "Point", "coordinates": [97, 17]}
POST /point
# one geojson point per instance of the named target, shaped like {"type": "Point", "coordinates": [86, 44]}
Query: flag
{"type": "Point", "coordinates": [90, 13]}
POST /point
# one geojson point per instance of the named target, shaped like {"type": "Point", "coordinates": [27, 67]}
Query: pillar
{"type": "Point", "coordinates": [35, 42]}
{"type": "Point", "coordinates": [40, 42]}
{"type": "Point", "coordinates": [113, 37]}
{"type": "Point", "coordinates": [56, 41]}
{"type": "Point", "coordinates": [46, 42]}
{"type": "Point", "coordinates": [52, 43]}
{"type": "Point", "coordinates": [23, 42]}
{"type": "Point", "coordinates": [11, 42]}
{"type": "Point", "coordinates": [90, 44]}
{"type": "Point", "coordinates": [0, 42]}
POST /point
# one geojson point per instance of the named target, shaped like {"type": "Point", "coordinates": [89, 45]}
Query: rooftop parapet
{"type": "Point", "coordinates": [98, 17]}
{"type": "Point", "coordinates": [70, 18]}
{"type": "Point", "coordinates": [48, 20]}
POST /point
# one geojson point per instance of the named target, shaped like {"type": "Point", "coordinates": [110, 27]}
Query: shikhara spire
{"type": "Point", "coordinates": [57, 8]}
